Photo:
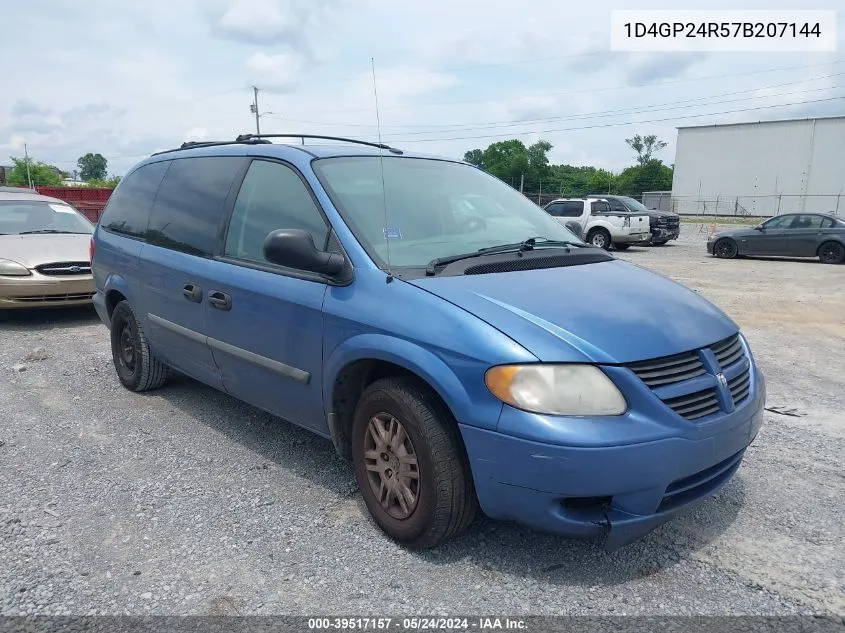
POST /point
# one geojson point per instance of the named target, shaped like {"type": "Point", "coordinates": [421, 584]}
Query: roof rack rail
{"type": "Point", "coordinates": [193, 144]}
{"type": "Point", "coordinates": [257, 137]}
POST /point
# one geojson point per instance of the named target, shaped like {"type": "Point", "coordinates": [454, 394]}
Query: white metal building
{"type": "Point", "coordinates": [761, 168]}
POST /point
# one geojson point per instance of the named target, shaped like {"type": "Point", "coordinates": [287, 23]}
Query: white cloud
{"type": "Point", "coordinates": [274, 72]}
{"type": "Point", "coordinates": [196, 134]}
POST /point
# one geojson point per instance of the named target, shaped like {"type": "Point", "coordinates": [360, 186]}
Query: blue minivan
{"type": "Point", "coordinates": [457, 344]}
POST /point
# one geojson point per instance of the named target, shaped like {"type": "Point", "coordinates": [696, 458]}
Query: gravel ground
{"type": "Point", "coordinates": [185, 501]}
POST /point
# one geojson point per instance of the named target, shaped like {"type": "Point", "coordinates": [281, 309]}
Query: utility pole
{"type": "Point", "coordinates": [540, 193]}
{"type": "Point", "coordinates": [254, 109]}
{"type": "Point", "coordinates": [28, 174]}
{"type": "Point", "coordinates": [521, 182]}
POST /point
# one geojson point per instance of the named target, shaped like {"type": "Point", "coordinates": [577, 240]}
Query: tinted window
{"type": "Point", "coordinates": [190, 202]}
{"type": "Point", "coordinates": [272, 197]}
{"type": "Point", "coordinates": [600, 206]}
{"type": "Point", "coordinates": [617, 206]}
{"type": "Point", "coordinates": [808, 222]}
{"type": "Point", "coordinates": [827, 223]}
{"type": "Point", "coordinates": [572, 209]}
{"type": "Point", "coordinates": [554, 209]}
{"type": "Point", "coordinates": [782, 222]}
{"type": "Point", "coordinates": [128, 208]}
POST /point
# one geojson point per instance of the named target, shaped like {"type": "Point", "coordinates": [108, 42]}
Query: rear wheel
{"type": "Point", "coordinates": [831, 253]}
{"type": "Point", "coordinates": [621, 247]}
{"type": "Point", "coordinates": [599, 238]}
{"type": "Point", "coordinates": [410, 464]}
{"type": "Point", "coordinates": [137, 367]}
{"type": "Point", "coordinates": [659, 243]}
{"type": "Point", "coordinates": [725, 249]}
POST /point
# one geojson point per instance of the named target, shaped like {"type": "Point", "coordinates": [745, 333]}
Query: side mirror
{"type": "Point", "coordinates": [294, 248]}
{"type": "Point", "coordinates": [760, 228]}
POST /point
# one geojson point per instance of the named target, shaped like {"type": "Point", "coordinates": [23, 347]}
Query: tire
{"type": "Point", "coordinates": [599, 238]}
{"type": "Point", "coordinates": [659, 243]}
{"type": "Point", "coordinates": [831, 253]}
{"type": "Point", "coordinates": [443, 504]}
{"type": "Point", "coordinates": [725, 248]}
{"type": "Point", "coordinates": [621, 247]}
{"type": "Point", "coordinates": [137, 367]}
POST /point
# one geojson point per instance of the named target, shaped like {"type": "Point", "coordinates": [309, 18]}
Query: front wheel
{"type": "Point", "coordinates": [137, 367]}
{"type": "Point", "coordinates": [831, 253]}
{"type": "Point", "coordinates": [410, 464]}
{"type": "Point", "coordinates": [725, 249]}
{"type": "Point", "coordinates": [599, 238]}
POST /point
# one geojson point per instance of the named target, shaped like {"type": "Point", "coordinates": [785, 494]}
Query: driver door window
{"type": "Point", "coordinates": [600, 206]}
{"type": "Point", "coordinates": [272, 196]}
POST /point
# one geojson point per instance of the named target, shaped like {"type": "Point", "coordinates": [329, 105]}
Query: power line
{"type": "Point", "coordinates": [603, 125]}
{"type": "Point", "coordinates": [590, 90]}
{"type": "Point", "coordinates": [511, 123]}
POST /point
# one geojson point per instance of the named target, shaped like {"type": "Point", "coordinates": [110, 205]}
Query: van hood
{"type": "Point", "coordinates": [607, 312]}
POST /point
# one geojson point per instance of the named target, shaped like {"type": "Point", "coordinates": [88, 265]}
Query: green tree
{"type": "Point", "coordinates": [475, 157]}
{"type": "Point", "coordinates": [645, 147]}
{"type": "Point", "coordinates": [512, 160]}
{"type": "Point", "coordinates": [41, 173]}
{"type": "Point", "coordinates": [601, 181]}
{"type": "Point", "coordinates": [110, 183]}
{"type": "Point", "coordinates": [92, 167]}
{"type": "Point", "coordinates": [652, 176]}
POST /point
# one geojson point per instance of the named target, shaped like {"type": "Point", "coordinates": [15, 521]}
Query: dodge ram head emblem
{"type": "Point", "coordinates": [722, 380]}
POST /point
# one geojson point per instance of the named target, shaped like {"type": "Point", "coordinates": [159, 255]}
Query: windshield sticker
{"type": "Point", "coordinates": [62, 208]}
{"type": "Point", "coordinates": [392, 233]}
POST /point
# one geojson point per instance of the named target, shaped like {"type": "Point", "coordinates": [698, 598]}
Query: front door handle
{"type": "Point", "coordinates": [192, 293]}
{"type": "Point", "coordinates": [220, 300]}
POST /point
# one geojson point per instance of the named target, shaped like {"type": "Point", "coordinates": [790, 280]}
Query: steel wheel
{"type": "Point", "coordinates": [831, 253]}
{"type": "Point", "coordinates": [392, 467]}
{"type": "Point", "coordinates": [136, 365]}
{"type": "Point", "coordinates": [725, 249]}
{"type": "Point", "coordinates": [600, 239]}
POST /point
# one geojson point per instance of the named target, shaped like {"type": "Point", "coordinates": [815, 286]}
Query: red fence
{"type": "Point", "coordinates": [89, 201]}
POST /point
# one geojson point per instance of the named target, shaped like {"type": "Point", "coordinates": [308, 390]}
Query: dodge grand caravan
{"type": "Point", "coordinates": [459, 358]}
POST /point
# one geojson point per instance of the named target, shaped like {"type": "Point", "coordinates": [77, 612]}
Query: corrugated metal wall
{"type": "Point", "coordinates": [761, 168]}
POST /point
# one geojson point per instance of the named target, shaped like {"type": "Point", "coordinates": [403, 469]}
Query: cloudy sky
{"type": "Point", "coordinates": [128, 78]}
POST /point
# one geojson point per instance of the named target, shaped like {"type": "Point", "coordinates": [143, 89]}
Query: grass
{"type": "Point", "coordinates": [709, 219]}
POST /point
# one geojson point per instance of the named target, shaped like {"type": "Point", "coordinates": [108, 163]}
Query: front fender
{"type": "Point", "coordinates": [405, 354]}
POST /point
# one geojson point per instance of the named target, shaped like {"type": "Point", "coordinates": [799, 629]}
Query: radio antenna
{"type": "Point", "coordinates": [387, 230]}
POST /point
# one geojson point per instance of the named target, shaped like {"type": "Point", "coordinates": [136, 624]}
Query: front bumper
{"type": "Point", "coordinates": [622, 491]}
{"type": "Point", "coordinates": [660, 234]}
{"type": "Point", "coordinates": [710, 244]}
{"type": "Point", "coordinates": [42, 291]}
{"type": "Point", "coordinates": [632, 238]}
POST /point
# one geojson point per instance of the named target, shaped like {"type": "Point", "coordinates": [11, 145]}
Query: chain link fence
{"type": "Point", "coordinates": [750, 206]}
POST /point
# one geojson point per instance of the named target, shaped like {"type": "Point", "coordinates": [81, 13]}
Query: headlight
{"type": "Point", "coordinates": [556, 389]}
{"type": "Point", "coordinates": [8, 268]}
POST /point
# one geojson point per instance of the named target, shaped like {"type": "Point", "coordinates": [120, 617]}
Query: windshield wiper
{"type": "Point", "coordinates": [51, 231]}
{"type": "Point", "coordinates": [526, 245]}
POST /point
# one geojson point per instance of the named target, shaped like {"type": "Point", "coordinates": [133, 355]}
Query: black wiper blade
{"type": "Point", "coordinates": [51, 231]}
{"type": "Point", "coordinates": [525, 245]}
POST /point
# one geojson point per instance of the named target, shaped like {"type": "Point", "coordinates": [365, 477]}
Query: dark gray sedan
{"type": "Point", "coordinates": [819, 235]}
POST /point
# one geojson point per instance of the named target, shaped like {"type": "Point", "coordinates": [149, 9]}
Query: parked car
{"type": "Point", "coordinates": [602, 226]}
{"type": "Point", "coordinates": [456, 364]}
{"type": "Point", "coordinates": [44, 256]}
{"type": "Point", "coordinates": [819, 235]}
{"type": "Point", "coordinates": [664, 225]}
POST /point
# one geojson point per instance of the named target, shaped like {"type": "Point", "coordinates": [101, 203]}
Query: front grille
{"type": "Point", "coordinates": [728, 351]}
{"type": "Point", "coordinates": [669, 369]}
{"type": "Point", "coordinates": [65, 268]}
{"type": "Point", "coordinates": [682, 491]}
{"type": "Point", "coordinates": [80, 296]}
{"type": "Point", "coordinates": [740, 386]}
{"type": "Point", "coordinates": [695, 405]}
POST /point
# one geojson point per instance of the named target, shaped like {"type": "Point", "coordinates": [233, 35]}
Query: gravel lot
{"type": "Point", "coordinates": [185, 501]}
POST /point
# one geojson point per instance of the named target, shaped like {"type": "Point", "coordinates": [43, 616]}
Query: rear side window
{"type": "Point", "coordinates": [600, 206]}
{"type": "Point", "coordinates": [272, 197]}
{"type": "Point", "coordinates": [128, 209]}
{"type": "Point", "coordinates": [572, 209]}
{"type": "Point", "coordinates": [617, 206]}
{"type": "Point", "coordinates": [554, 209]}
{"type": "Point", "coordinates": [190, 202]}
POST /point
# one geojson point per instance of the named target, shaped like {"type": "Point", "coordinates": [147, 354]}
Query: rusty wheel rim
{"type": "Point", "coordinates": [392, 466]}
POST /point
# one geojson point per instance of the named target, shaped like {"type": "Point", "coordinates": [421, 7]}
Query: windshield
{"type": "Point", "coordinates": [27, 216]}
{"type": "Point", "coordinates": [633, 205]}
{"type": "Point", "coordinates": [435, 208]}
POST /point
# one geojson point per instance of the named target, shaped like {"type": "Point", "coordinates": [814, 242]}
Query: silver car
{"type": "Point", "coordinates": [44, 252]}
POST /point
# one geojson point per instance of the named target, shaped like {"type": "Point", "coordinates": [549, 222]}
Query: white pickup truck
{"type": "Point", "coordinates": [599, 225]}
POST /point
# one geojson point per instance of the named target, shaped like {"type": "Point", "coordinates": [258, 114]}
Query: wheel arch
{"type": "Point", "coordinates": [362, 360]}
